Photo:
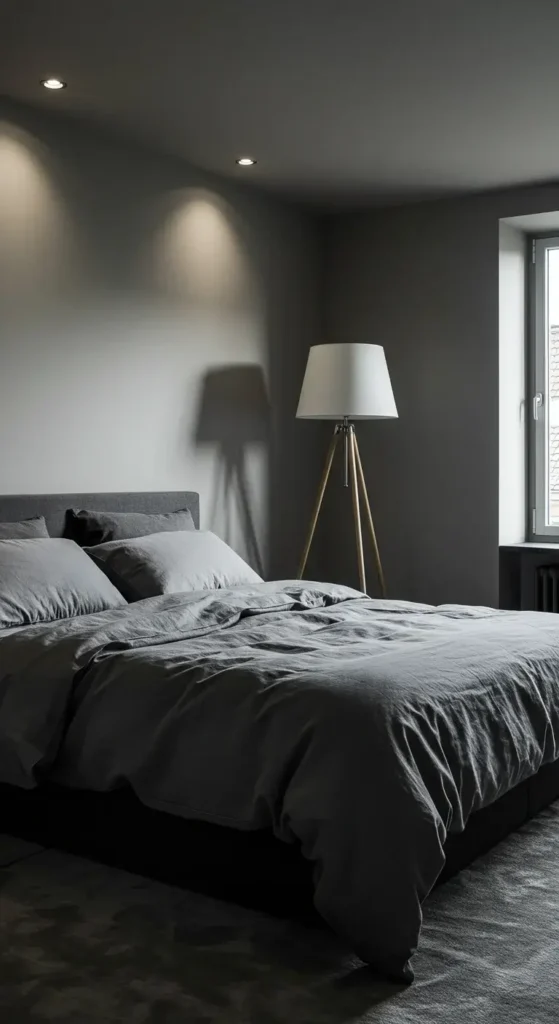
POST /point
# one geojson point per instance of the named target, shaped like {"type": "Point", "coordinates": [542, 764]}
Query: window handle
{"type": "Point", "coordinates": [537, 402]}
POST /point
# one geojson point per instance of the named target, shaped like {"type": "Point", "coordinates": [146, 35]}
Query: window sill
{"type": "Point", "coordinates": [530, 546]}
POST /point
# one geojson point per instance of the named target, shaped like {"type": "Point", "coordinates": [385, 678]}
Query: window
{"type": "Point", "coordinates": [544, 448]}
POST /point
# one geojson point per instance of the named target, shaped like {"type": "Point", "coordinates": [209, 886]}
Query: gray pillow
{"type": "Point", "coordinates": [24, 530]}
{"type": "Point", "coordinates": [89, 528]}
{"type": "Point", "coordinates": [42, 580]}
{"type": "Point", "coordinates": [170, 563]}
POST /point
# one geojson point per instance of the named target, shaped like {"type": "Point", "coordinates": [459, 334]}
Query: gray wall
{"type": "Point", "coordinates": [154, 325]}
{"type": "Point", "coordinates": [423, 281]}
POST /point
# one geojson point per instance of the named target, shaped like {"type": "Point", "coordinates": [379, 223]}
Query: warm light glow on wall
{"type": "Point", "coordinates": [200, 257]}
{"type": "Point", "coordinates": [34, 233]}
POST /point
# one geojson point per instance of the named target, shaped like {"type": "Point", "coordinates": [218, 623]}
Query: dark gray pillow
{"type": "Point", "coordinates": [170, 563]}
{"type": "Point", "coordinates": [42, 580]}
{"type": "Point", "coordinates": [89, 528]}
{"type": "Point", "coordinates": [25, 530]}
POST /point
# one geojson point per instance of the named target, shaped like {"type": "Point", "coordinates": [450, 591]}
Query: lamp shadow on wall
{"type": "Point", "coordinates": [234, 418]}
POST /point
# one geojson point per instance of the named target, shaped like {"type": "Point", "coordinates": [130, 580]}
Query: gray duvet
{"type": "Point", "coordinates": [364, 730]}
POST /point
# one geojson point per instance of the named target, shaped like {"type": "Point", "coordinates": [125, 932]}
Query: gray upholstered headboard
{"type": "Point", "coordinates": [14, 507]}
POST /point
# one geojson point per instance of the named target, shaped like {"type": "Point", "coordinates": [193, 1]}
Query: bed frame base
{"type": "Point", "coordinates": [250, 868]}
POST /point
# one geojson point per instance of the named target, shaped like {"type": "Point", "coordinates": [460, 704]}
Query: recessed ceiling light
{"type": "Point", "coordinates": [53, 83]}
{"type": "Point", "coordinates": [246, 161]}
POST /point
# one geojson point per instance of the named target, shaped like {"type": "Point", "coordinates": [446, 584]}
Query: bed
{"type": "Point", "coordinates": [295, 746]}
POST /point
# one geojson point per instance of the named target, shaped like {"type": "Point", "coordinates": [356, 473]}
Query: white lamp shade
{"type": "Point", "coordinates": [346, 380]}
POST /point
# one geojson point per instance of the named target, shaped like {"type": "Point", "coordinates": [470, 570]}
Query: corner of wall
{"type": "Point", "coordinates": [512, 385]}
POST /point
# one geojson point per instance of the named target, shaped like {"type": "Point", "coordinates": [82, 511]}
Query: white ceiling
{"type": "Point", "coordinates": [339, 100]}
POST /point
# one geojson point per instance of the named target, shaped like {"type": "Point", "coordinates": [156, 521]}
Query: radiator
{"type": "Point", "coordinates": [547, 588]}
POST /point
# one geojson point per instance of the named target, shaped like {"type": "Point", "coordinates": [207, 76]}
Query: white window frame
{"type": "Point", "coordinates": [539, 405]}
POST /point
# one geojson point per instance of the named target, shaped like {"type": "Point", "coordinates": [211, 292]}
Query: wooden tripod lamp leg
{"type": "Point", "coordinates": [376, 551]}
{"type": "Point", "coordinates": [356, 511]}
{"type": "Point", "coordinates": [318, 503]}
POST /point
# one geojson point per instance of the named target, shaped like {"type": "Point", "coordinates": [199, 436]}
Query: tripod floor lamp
{"type": "Point", "coordinates": [344, 383]}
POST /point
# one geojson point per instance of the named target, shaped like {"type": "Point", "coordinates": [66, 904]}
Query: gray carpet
{"type": "Point", "coordinates": [83, 943]}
